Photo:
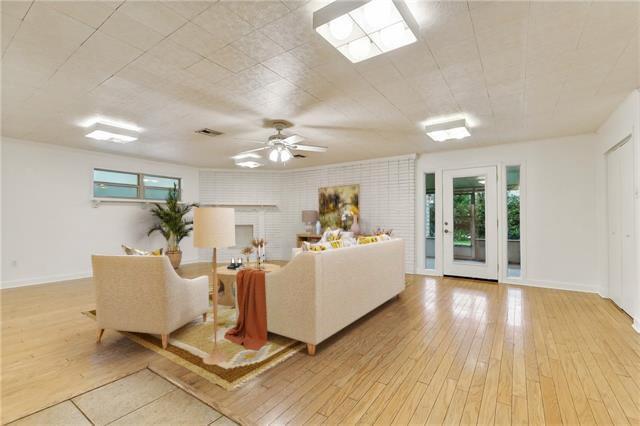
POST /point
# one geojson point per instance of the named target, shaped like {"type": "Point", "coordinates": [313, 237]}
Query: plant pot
{"type": "Point", "coordinates": [175, 257]}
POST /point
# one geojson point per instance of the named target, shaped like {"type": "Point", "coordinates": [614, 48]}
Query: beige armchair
{"type": "Point", "coordinates": [144, 294]}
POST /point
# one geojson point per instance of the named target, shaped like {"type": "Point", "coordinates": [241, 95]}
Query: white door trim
{"type": "Point", "coordinates": [489, 268]}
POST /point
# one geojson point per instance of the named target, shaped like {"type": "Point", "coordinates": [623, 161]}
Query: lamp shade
{"type": "Point", "coordinates": [309, 216]}
{"type": "Point", "coordinates": [214, 227]}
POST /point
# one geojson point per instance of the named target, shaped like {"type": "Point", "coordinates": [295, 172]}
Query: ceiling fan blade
{"type": "Point", "coordinates": [309, 148]}
{"type": "Point", "coordinates": [240, 154]}
{"type": "Point", "coordinates": [293, 139]}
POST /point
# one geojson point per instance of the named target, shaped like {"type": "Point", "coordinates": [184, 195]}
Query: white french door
{"type": "Point", "coordinates": [470, 223]}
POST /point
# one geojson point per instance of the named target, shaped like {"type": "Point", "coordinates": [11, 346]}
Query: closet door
{"type": "Point", "coordinates": [614, 226]}
{"type": "Point", "coordinates": [627, 228]}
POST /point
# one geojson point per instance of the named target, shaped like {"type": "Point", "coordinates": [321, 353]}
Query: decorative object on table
{"type": "Point", "coordinates": [259, 244]}
{"type": "Point", "coordinates": [246, 252]}
{"type": "Point", "coordinates": [309, 218]}
{"type": "Point", "coordinates": [214, 227]}
{"type": "Point", "coordinates": [355, 226]}
{"type": "Point", "coordinates": [381, 231]}
{"type": "Point", "coordinates": [318, 227]}
{"type": "Point", "coordinates": [251, 327]}
{"type": "Point", "coordinates": [130, 251]}
{"type": "Point", "coordinates": [338, 205]}
{"type": "Point", "coordinates": [227, 280]}
{"type": "Point", "coordinates": [190, 343]}
{"type": "Point", "coordinates": [172, 224]}
{"type": "Point", "coordinates": [234, 264]}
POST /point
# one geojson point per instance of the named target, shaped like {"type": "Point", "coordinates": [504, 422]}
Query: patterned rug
{"type": "Point", "coordinates": [189, 344]}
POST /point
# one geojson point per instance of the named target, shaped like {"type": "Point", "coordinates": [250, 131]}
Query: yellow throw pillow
{"type": "Point", "coordinates": [336, 244]}
{"type": "Point", "coordinates": [137, 252]}
{"type": "Point", "coordinates": [368, 240]}
{"type": "Point", "coordinates": [313, 247]}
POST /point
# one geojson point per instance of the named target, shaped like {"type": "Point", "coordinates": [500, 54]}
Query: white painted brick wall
{"type": "Point", "coordinates": [387, 200]}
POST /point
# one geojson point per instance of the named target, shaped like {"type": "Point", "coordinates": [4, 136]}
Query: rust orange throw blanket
{"type": "Point", "coordinates": [251, 328]}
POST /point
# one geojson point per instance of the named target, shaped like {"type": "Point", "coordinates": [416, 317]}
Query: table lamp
{"type": "Point", "coordinates": [214, 227]}
{"type": "Point", "coordinates": [309, 217]}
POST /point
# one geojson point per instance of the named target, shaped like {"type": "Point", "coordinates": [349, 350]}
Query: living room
{"type": "Point", "coordinates": [320, 212]}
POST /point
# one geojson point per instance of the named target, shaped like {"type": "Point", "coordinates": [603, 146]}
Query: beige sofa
{"type": "Point", "coordinates": [144, 294]}
{"type": "Point", "coordinates": [317, 294]}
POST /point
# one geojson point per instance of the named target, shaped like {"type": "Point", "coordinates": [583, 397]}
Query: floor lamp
{"type": "Point", "coordinates": [214, 227]}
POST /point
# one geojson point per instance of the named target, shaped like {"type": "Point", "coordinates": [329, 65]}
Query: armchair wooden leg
{"type": "Point", "coordinates": [99, 335]}
{"type": "Point", "coordinates": [311, 349]}
{"type": "Point", "coordinates": [165, 340]}
{"type": "Point", "coordinates": [204, 317]}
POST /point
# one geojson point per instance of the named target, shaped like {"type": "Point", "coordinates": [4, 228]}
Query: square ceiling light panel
{"type": "Point", "coordinates": [448, 130]}
{"type": "Point", "coordinates": [363, 29]}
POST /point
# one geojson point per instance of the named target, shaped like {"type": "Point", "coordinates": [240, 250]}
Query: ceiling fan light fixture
{"type": "Point", "coordinates": [274, 155]}
{"type": "Point", "coordinates": [361, 30]}
{"type": "Point", "coordinates": [285, 155]}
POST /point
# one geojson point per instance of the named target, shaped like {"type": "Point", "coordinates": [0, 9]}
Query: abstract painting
{"type": "Point", "coordinates": [338, 206]}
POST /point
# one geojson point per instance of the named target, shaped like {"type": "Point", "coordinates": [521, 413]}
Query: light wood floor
{"type": "Point", "coordinates": [447, 351]}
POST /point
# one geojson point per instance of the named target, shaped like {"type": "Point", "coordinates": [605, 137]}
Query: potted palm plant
{"type": "Point", "coordinates": [172, 224]}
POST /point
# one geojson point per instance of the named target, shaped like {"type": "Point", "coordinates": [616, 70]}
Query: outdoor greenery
{"type": "Point", "coordinates": [171, 220]}
{"type": "Point", "coordinates": [513, 214]}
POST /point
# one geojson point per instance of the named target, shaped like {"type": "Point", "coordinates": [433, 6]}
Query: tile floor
{"type": "Point", "coordinates": [139, 399]}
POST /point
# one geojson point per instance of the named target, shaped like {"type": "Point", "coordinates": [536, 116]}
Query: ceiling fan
{"type": "Point", "coordinates": [279, 145]}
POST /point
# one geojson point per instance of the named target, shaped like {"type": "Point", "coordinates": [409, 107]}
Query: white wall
{"type": "Point", "coordinates": [49, 227]}
{"type": "Point", "coordinates": [559, 210]}
{"type": "Point", "coordinates": [387, 194]}
{"type": "Point", "coordinates": [624, 121]}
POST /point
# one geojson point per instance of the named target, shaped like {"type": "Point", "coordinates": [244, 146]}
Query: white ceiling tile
{"type": "Point", "coordinates": [17, 9]}
{"type": "Point", "coordinates": [188, 9]}
{"type": "Point", "coordinates": [222, 23]}
{"type": "Point", "coordinates": [444, 28]}
{"type": "Point", "coordinates": [87, 12]}
{"type": "Point", "coordinates": [315, 52]}
{"type": "Point", "coordinates": [413, 60]}
{"type": "Point", "coordinates": [286, 66]}
{"type": "Point", "coordinates": [378, 71]}
{"type": "Point", "coordinates": [508, 36]}
{"type": "Point", "coordinates": [195, 38]}
{"type": "Point", "coordinates": [154, 15]}
{"type": "Point", "coordinates": [258, 46]}
{"type": "Point", "coordinates": [209, 71]}
{"type": "Point", "coordinates": [258, 13]}
{"type": "Point", "coordinates": [232, 59]}
{"type": "Point", "coordinates": [487, 15]}
{"type": "Point", "coordinates": [458, 53]}
{"type": "Point", "coordinates": [292, 30]}
{"type": "Point", "coordinates": [130, 31]}
{"type": "Point", "coordinates": [10, 25]}
{"type": "Point", "coordinates": [174, 54]}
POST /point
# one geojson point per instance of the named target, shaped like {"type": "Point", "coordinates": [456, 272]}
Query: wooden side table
{"type": "Point", "coordinates": [307, 237]}
{"type": "Point", "coordinates": [228, 278]}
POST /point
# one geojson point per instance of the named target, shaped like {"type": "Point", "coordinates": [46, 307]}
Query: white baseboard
{"type": "Point", "coordinates": [636, 326]}
{"type": "Point", "coordinates": [52, 279]}
{"type": "Point", "coordinates": [556, 285]}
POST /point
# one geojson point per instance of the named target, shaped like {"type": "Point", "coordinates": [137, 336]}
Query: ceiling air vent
{"type": "Point", "coordinates": [209, 132]}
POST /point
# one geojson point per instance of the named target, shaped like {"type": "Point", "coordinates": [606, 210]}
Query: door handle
{"type": "Point", "coordinates": [446, 231]}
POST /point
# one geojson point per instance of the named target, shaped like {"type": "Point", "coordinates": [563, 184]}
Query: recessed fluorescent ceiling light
{"type": "Point", "coordinates": [246, 155]}
{"type": "Point", "coordinates": [248, 164]}
{"type": "Point", "coordinates": [103, 135]}
{"type": "Point", "coordinates": [448, 130]}
{"type": "Point", "coordinates": [112, 123]}
{"type": "Point", "coordinates": [363, 29]}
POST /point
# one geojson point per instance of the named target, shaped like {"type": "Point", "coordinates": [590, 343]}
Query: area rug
{"type": "Point", "coordinates": [189, 344]}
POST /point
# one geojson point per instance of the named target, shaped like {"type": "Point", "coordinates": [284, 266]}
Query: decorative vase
{"type": "Point", "coordinates": [355, 227]}
{"type": "Point", "coordinates": [175, 257]}
{"type": "Point", "coordinates": [318, 228]}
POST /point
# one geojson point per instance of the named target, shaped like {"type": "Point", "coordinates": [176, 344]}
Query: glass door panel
{"type": "Point", "coordinates": [430, 221]}
{"type": "Point", "coordinates": [469, 219]}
